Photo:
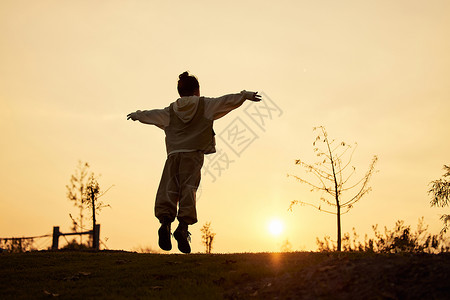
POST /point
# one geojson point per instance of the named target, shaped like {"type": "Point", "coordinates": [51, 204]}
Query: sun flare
{"type": "Point", "coordinates": [276, 227]}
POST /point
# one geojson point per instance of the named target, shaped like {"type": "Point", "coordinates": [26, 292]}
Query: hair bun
{"type": "Point", "coordinates": [184, 74]}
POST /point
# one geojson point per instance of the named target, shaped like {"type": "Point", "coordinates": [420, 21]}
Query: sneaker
{"type": "Point", "coordinates": [164, 237]}
{"type": "Point", "coordinates": [182, 235]}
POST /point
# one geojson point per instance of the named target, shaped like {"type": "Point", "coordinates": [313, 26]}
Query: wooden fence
{"type": "Point", "coordinates": [21, 244]}
{"type": "Point", "coordinates": [95, 236]}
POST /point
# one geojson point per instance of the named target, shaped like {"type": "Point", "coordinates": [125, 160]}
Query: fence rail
{"type": "Point", "coordinates": [95, 236]}
{"type": "Point", "coordinates": [19, 243]}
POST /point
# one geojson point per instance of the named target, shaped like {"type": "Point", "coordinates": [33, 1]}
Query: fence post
{"type": "Point", "coordinates": [56, 234]}
{"type": "Point", "coordinates": [96, 237]}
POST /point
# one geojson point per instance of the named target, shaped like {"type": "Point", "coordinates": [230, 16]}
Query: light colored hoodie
{"type": "Point", "coordinates": [186, 107]}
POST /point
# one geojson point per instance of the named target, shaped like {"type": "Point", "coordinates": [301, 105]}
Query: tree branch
{"type": "Point", "coordinates": [307, 182]}
{"type": "Point", "coordinates": [295, 202]}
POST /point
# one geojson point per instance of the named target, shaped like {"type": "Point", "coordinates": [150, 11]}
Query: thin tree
{"type": "Point", "coordinates": [286, 246]}
{"type": "Point", "coordinates": [440, 192]}
{"type": "Point", "coordinates": [76, 193]}
{"type": "Point", "coordinates": [91, 198]}
{"type": "Point", "coordinates": [207, 237]}
{"type": "Point", "coordinates": [333, 177]}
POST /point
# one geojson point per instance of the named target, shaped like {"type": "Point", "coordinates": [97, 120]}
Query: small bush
{"type": "Point", "coordinates": [17, 245]}
{"type": "Point", "coordinates": [400, 239]}
{"type": "Point", "coordinates": [74, 245]}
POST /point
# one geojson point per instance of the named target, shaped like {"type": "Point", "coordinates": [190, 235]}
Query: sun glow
{"type": "Point", "coordinates": [276, 227]}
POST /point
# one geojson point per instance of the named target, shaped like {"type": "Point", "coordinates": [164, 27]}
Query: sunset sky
{"type": "Point", "coordinates": [373, 72]}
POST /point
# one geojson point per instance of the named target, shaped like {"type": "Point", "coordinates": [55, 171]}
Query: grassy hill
{"type": "Point", "coordinates": [299, 275]}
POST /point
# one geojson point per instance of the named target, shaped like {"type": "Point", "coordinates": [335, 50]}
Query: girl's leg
{"type": "Point", "coordinates": [189, 177]}
{"type": "Point", "coordinates": [168, 193]}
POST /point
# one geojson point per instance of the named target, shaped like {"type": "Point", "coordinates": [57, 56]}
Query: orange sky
{"type": "Point", "coordinates": [372, 72]}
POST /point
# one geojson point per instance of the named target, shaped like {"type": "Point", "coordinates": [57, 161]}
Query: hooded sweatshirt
{"type": "Point", "coordinates": [185, 110]}
{"type": "Point", "coordinates": [191, 131]}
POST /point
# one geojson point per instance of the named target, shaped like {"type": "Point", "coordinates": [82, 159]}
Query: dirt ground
{"type": "Point", "coordinates": [293, 275]}
{"type": "Point", "coordinates": [393, 276]}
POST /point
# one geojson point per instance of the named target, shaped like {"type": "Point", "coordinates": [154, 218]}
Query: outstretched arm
{"type": "Point", "coordinates": [157, 117]}
{"type": "Point", "coordinates": [216, 108]}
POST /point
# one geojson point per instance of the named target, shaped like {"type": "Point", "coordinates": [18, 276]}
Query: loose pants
{"type": "Point", "coordinates": [178, 187]}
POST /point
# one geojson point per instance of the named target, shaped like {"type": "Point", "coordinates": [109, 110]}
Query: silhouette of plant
{"type": "Point", "coordinates": [398, 240]}
{"type": "Point", "coordinates": [91, 197]}
{"type": "Point", "coordinates": [17, 245]}
{"type": "Point", "coordinates": [440, 190]}
{"type": "Point", "coordinates": [73, 245]}
{"type": "Point", "coordinates": [331, 177]}
{"type": "Point", "coordinates": [76, 193]}
{"type": "Point", "coordinates": [286, 246]}
{"type": "Point", "coordinates": [207, 237]}
{"type": "Point", "coordinates": [84, 191]}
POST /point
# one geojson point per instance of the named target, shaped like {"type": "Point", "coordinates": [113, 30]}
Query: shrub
{"type": "Point", "coordinates": [400, 239]}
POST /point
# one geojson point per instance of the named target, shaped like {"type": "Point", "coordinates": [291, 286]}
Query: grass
{"type": "Point", "coordinates": [300, 275]}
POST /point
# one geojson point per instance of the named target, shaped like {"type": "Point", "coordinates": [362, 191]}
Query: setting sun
{"type": "Point", "coordinates": [276, 227]}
